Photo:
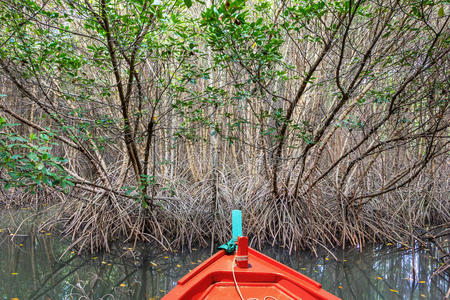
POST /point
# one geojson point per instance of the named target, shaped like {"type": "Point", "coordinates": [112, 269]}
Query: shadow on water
{"type": "Point", "coordinates": [31, 267]}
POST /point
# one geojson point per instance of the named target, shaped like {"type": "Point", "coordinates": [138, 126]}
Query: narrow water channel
{"type": "Point", "coordinates": [32, 266]}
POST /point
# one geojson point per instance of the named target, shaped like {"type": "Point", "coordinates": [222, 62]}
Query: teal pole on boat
{"type": "Point", "coordinates": [236, 231]}
{"type": "Point", "coordinates": [236, 218]}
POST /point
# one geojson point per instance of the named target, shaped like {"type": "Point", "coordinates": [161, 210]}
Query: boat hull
{"type": "Point", "coordinates": [265, 278]}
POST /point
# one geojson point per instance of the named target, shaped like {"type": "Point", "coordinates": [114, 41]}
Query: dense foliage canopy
{"type": "Point", "coordinates": [316, 116]}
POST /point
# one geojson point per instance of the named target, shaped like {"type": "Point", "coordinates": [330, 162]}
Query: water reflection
{"type": "Point", "coordinates": [31, 268]}
{"type": "Point", "coordinates": [377, 273]}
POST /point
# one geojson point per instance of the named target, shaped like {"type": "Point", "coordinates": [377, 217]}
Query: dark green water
{"type": "Point", "coordinates": [32, 267]}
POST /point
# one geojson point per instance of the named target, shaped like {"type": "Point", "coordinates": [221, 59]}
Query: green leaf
{"type": "Point", "coordinates": [188, 3]}
{"type": "Point", "coordinates": [68, 182]}
{"type": "Point", "coordinates": [32, 156]}
{"type": "Point", "coordinates": [43, 149]}
{"type": "Point", "coordinates": [416, 11]}
{"type": "Point", "coordinates": [441, 12]}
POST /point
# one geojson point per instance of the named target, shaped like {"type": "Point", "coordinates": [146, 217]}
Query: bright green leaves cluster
{"type": "Point", "coordinates": [28, 162]}
{"type": "Point", "coordinates": [244, 38]}
{"type": "Point", "coordinates": [239, 35]}
{"type": "Point", "coordinates": [302, 12]}
{"type": "Point", "coordinates": [39, 49]}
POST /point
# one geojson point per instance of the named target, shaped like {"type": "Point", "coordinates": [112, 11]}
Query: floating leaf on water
{"type": "Point", "coordinates": [153, 264]}
{"type": "Point", "coordinates": [21, 245]}
{"type": "Point", "coordinates": [380, 278]}
{"type": "Point", "coordinates": [194, 249]}
{"type": "Point", "coordinates": [123, 284]}
{"type": "Point", "coordinates": [326, 258]}
{"type": "Point", "coordinates": [345, 260]}
{"type": "Point", "coordinates": [193, 262]}
{"type": "Point", "coordinates": [109, 264]}
{"type": "Point", "coordinates": [316, 271]}
{"type": "Point", "coordinates": [48, 233]}
{"type": "Point", "coordinates": [14, 273]}
{"type": "Point", "coordinates": [174, 251]}
{"type": "Point", "coordinates": [14, 298]}
{"type": "Point", "coordinates": [95, 257]}
{"type": "Point", "coordinates": [340, 287]}
{"type": "Point", "coordinates": [422, 281]}
{"type": "Point", "coordinates": [104, 262]}
{"type": "Point", "coordinates": [131, 249]}
{"type": "Point", "coordinates": [394, 291]}
{"type": "Point", "coordinates": [423, 295]}
{"type": "Point", "coordinates": [178, 266]}
{"type": "Point", "coordinates": [388, 244]}
{"type": "Point", "coordinates": [72, 252]}
{"type": "Point", "coordinates": [162, 291]}
{"type": "Point", "coordinates": [166, 257]}
{"type": "Point", "coordinates": [304, 269]}
{"type": "Point", "coordinates": [199, 260]}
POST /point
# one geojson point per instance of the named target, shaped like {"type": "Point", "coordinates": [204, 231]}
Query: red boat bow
{"type": "Point", "coordinates": [245, 274]}
{"type": "Point", "coordinates": [220, 277]}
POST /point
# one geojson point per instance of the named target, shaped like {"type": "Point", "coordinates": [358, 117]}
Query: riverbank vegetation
{"type": "Point", "coordinates": [326, 122]}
